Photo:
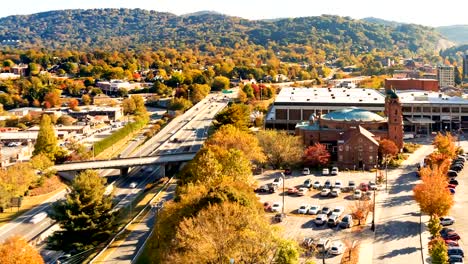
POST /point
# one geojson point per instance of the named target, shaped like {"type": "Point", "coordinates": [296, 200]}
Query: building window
{"type": "Point", "coordinates": [371, 148]}
{"type": "Point", "coordinates": [360, 148]}
{"type": "Point", "coordinates": [340, 157]}
{"type": "Point", "coordinates": [347, 148]}
{"type": "Point", "coordinates": [371, 158]}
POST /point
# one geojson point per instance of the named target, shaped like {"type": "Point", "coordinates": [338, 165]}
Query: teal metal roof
{"type": "Point", "coordinates": [353, 113]}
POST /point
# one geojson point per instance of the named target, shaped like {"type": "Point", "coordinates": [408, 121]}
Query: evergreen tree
{"type": "Point", "coordinates": [85, 216]}
{"type": "Point", "coordinates": [46, 141]}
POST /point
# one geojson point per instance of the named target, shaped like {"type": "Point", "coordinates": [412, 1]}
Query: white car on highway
{"type": "Point", "coordinates": [38, 217]}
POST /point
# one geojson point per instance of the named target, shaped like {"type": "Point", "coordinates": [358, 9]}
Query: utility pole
{"type": "Point", "coordinates": [284, 193]}
{"type": "Point", "coordinates": [373, 213]}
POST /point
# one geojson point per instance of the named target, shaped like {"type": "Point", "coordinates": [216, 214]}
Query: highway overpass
{"type": "Point", "coordinates": [124, 163]}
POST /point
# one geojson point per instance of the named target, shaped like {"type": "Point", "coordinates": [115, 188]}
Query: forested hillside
{"type": "Point", "coordinates": [458, 33]}
{"type": "Point", "coordinates": [141, 29]}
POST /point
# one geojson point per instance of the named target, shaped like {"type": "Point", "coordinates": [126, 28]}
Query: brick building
{"type": "Point", "coordinates": [352, 134]}
{"type": "Point", "coordinates": [412, 84]}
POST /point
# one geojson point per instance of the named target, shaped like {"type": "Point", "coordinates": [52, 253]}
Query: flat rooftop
{"type": "Point", "coordinates": [302, 95]}
{"type": "Point", "coordinates": [425, 97]}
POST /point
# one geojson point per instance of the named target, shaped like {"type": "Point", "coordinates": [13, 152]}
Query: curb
{"type": "Point", "coordinates": [425, 237]}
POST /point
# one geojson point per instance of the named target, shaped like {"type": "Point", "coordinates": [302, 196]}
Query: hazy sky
{"type": "Point", "coordinates": [431, 13]}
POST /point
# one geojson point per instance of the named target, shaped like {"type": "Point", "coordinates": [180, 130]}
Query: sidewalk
{"type": "Point", "coordinates": [425, 238]}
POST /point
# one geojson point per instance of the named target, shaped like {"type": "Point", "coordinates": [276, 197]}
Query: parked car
{"type": "Point", "coordinates": [347, 221]}
{"type": "Point", "coordinates": [332, 220]}
{"type": "Point", "coordinates": [335, 192]}
{"type": "Point", "coordinates": [325, 192]}
{"type": "Point", "coordinates": [267, 206]}
{"type": "Point", "coordinates": [336, 248]}
{"type": "Point", "coordinates": [308, 183]}
{"type": "Point", "coordinates": [363, 187]}
{"type": "Point", "coordinates": [272, 188]}
{"type": "Point", "coordinates": [372, 185]}
{"type": "Point", "coordinates": [303, 209]}
{"type": "Point", "coordinates": [316, 185]}
{"type": "Point", "coordinates": [287, 171]}
{"type": "Point", "coordinates": [451, 243]}
{"type": "Point", "coordinates": [306, 171]}
{"type": "Point", "coordinates": [455, 259]}
{"type": "Point", "coordinates": [357, 194]}
{"type": "Point", "coordinates": [276, 207]}
{"type": "Point", "coordinates": [327, 184]}
{"type": "Point", "coordinates": [278, 181]}
{"type": "Point", "coordinates": [308, 242]}
{"type": "Point", "coordinates": [279, 217]}
{"type": "Point", "coordinates": [302, 191]}
{"type": "Point", "coordinates": [292, 190]}
{"type": "Point", "coordinates": [338, 211]}
{"type": "Point", "coordinates": [456, 168]}
{"type": "Point", "coordinates": [334, 171]}
{"type": "Point", "coordinates": [321, 219]}
{"type": "Point", "coordinates": [326, 210]}
{"type": "Point", "coordinates": [451, 236]}
{"type": "Point", "coordinates": [446, 230]}
{"type": "Point", "coordinates": [351, 185]}
{"type": "Point", "coordinates": [451, 186]}
{"type": "Point", "coordinates": [338, 184]}
{"type": "Point", "coordinates": [451, 190]}
{"type": "Point", "coordinates": [325, 171]}
{"type": "Point", "coordinates": [453, 182]}
{"type": "Point", "coordinates": [263, 188]}
{"type": "Point", "coordinates": [314, 209]}
{"type": "Point", "coordinates": [323, 245]}
{"type": "Point", "coordinates": [452, 173]}
{"type": "Point", "coordinates": [456, 251]}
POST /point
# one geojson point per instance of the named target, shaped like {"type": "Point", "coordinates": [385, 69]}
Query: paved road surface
{"type": "Point", "coordinates": [397, 236]}
{"type": "Point", "coordinates": [125, 251]}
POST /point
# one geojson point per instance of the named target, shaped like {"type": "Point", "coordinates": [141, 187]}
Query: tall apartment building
{"type": "Point", "coordinates": [446, 76]}
{"type": "Point", "coordinates": [465, 68]}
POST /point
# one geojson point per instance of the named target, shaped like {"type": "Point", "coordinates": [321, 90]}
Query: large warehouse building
{"type": "Point", "coordinates": [423, 111]}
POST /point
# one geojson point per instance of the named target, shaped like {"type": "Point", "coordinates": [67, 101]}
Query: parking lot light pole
{"type": "Point", "coordinates": [373, 211]}
{"type": "Point", "coordinates": [284, 193]}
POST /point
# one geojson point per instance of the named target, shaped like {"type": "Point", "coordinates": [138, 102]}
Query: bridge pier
{"type": "Point", "coordinates": [124, 172]}
{"type": "Point", "coordinates": [162, 171]}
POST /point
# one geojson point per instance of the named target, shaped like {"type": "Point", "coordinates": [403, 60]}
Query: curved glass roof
{"type": "Point", "coordinates": [353, 113]}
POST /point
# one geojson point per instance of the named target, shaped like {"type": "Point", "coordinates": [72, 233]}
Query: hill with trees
{"type": "Point", "coordinates": [109, 29]}
{"type": "Point", "coordinates": [456, 33]}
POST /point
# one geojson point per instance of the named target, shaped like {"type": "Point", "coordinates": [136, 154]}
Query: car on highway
{"type": "Point", "coordinates": [336, 248]}
{"type": "Point", "coordinates": [133, 185]}
{"type": "Point", "coordinates": [317, 185]}
{"type": "Point", "coordinates": [347, 221]}
{"type": "Point", "coordinates": [276, 207]}
{"type": "Point", "coordinates": [325, 192]}
{"type": "Point", "coordinates": [38, 217]}
{"type": "Point", "coordinates": [303, 209]}
{"type": "Point", "coordinates": [302, 191]}
{"type": "Point", "coordinates": [321, 219]}
{"type": "Point", "coordinates": [447, 220]}
{"type": "Point", "coordinates": [314, 209]}
{"type": "Point", "coordinates": [325, 171]}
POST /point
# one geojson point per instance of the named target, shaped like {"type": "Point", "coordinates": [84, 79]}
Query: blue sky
{"type": "Point", "coordinates": [431, 13]}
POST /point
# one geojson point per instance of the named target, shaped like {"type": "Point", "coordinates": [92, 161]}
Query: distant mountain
{"type": "Point", "coordinates": [457, 33]}
{"type": "Point", "coordinates": [110, 29]}
{"type": "Point", "coordinates": [201, 13]}
{"type": "Point", "coordinates": [382, 21]}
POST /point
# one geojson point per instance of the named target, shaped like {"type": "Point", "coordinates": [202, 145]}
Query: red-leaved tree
{"type": "Point", "coordinates": [316, 155]}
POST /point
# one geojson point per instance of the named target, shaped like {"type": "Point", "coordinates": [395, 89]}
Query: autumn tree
{"type": "Point", "coordinates": [46, 141]}
{"type": "Point", "coordinates": [434, 226]}
{"type": "Point", "coordinates": [198, 92]}
{"type": "Point", "coordinates": [73, 104]}
{"type": "Point", "coordinates": [316, 155]}
{"type": "Point", "coordinates": [387, 149]}
{"type": "Point", "coordinates": [287, 252]}
{"type": "Point", "coordinates": [438, 162]}
{"type": "Point", "coordinates": [52, 99]}
{"type": "Point", "coordinates": [432, 194]}
{"type": "Point", "coordinates": [220, 83]}
{"type": "Point", "coordinates": [229, 136]}
{"type": "Point", "coordinates": [180, 104]}
{"type": "Point", "coordinates": [237, 115]}
{"type": "Point", "coordinates": [16, 250]}
{"type": "Point", "coordinates": [86, 99]}
{"type": "Point", "coordinates": [280, 148]}
{"type": "Point", "coordinates": [85, 215]}
{"type": "Point", "coordinates": [445, 144]}
{"type": "Point", "coordinates": [438, 251]}
{"type": "Point", "coordinates": [66, 120]}
{"type": "Point", "coordinates": [360, 209]}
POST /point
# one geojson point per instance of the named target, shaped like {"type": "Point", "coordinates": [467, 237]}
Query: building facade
{"type": "Point", "coordinates": [446, 76]}
{"type": "Point", "coordinates": [412, 84]}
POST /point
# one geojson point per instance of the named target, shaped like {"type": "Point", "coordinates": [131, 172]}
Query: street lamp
{"type": "Point", "coordinates": [373, 213]}
{"type": "Point", "coordinates": [284, 193]}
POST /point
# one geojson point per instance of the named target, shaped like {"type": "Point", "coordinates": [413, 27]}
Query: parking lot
{"type": "Point", "coordinates": [299, 226]}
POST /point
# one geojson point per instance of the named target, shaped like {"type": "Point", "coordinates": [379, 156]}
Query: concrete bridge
{"type": "Point", "coordinates": [124, 163]}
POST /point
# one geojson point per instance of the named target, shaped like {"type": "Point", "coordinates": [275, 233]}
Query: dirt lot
{"type": "Point", "coordinates": [297, 226]}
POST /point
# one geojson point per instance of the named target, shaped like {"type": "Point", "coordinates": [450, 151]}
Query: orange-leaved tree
{"type": "Point", "coordinates": [432, 194]}
{"type": "Point", "coordinates": [387, 149]}
{"type": "Point", "coordinates": [16, 250]}
{"type": "Point", "coordinates": [439, 162]}
{"type": "Point", "coordinates": [445, 144]}
{"type": "Point", "coordinates": [316, 155]}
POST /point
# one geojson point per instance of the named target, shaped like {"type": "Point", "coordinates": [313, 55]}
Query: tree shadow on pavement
{"type": "Point", "coordinates": [402, 251]}
{"type": "Point", "coordinates": [404, 183]}
{"type": "Point", "coordinates": [397, 201]}
{"type": "Point", "coordinates": [396, 229]}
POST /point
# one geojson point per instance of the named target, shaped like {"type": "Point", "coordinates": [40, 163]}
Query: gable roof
{"type": "Point", "coordinates": [351, 133]}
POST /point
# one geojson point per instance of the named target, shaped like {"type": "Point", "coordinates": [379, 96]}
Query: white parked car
{"type": "Point", "coordinates": [447, 220]}
{"type": "Point", "coordinates": [325, 171]}
{"type": "Point", "coordinates": [325, 192]}
{"type": "Point", "coordinates": [302, 191]}
{"type": "Point", "coordinates": [316, 185]}
{"type": "Point", "coordinates": [336, 248]}
{"type": "Point", "coordinates": [339, 210]}
{"type": "Point", "coordinates": [306, 171]}
{"type": "Point", "coordinates": [338, 184]}
{"type": "Point", "coordinates": [303, 209]}
{"type": "Point", "coordinates": [321, 219]}
{"type": "Point", "coordinates": [334, 171]}
{"type": "Point", "coordinates": [372, 185]}
{"type": "Point", "coordinates": [357, 194]}
{"type": "Point", "coordinates": [278, 181]}
{"type": "Point", "coordinates": [276, 207]}
{"type": "Point", "coordinates": [314, 209]}
{"type": "Point", "coordinates": [335, 192]}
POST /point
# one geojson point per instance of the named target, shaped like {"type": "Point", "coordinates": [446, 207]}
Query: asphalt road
{"type": "Point", "coordinates": [397, 235]}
